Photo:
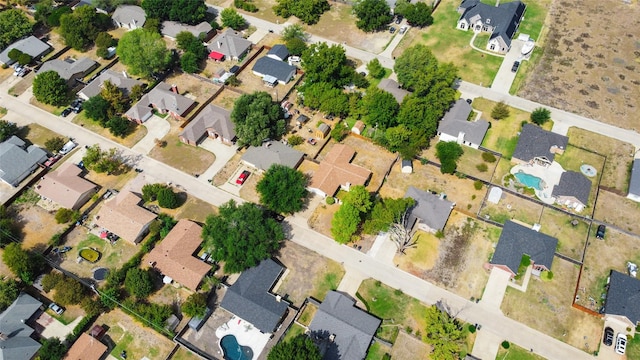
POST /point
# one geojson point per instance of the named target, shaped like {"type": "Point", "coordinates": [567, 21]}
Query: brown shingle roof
{"type": "Point", "coordinates": [123, 216]}
{"type": "Point", "coordinates": [86, 348]}
{"type": "Point", "coordinates": [64, 186]}
{"type": "Point", "coordinates": [336, 170]}
{"type": "Point", "coordinates": [174, 256]}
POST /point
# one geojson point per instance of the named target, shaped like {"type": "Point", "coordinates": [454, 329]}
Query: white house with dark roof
{"type": "Point", "coordinates": [230, 44]}
{"type": "Point", "coordinates": [171, 29]}
{"type": "Point", "coordinates": [347, 331]}
{"type": "Point", "coordinates": [278, 52]}
{"type": "Point", "coordinates": [501, 21]}
{"type": "Point", "coordinates": [16, 335]}
{"type": "Point", "coordinates": [30, 45]}
{"type": "Point", "coordinates": [120, 80]}
{"type": "Point", "coordinates": [272, 152]}
{"type": "Point", "coordinates": [634, 183]}
{"type": "Point", "coordinates": [623, 299]}
{"type": "Point", "coordinates": [456, 127]}
{"type": "Point", "coordinates": [17, 160]}
{"type": "Point", "coordinates": [129, 17]}
{"type": "Point", "coordinates": [70, 69]}
{"type": "Point", "coordinates": [430, 212]}
{"type": "Point", "coordinates": [393, 88]}
{"type": "Point", "coordinates": [572, 191]}
{"type": "Point", "coordinates": [268, 67]}
{"type": "Point", "coordinates": [536, 145]}
{"type": "Point", "coordinates": [212, 121]}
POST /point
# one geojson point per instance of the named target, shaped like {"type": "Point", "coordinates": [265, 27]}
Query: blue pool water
{"type": "Point", "coordinates": [528, 180]}
{"type": "Point", "coordinates": [234, 351]}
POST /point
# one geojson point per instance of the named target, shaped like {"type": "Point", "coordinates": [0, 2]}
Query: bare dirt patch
{"type": "Point", "coordinates": [192, 87]}
{"type": "Point", "coordinates": [248, 190]}
{"type": "Point", "coordinates": [320, 220]}
{"type": "Point", "coordinates": [408, 347]}
{"type": "Point", "coordinates": [618, 210]}
{"type": "Point", "coordinates": [590, 63]}
{"type": "Point", "coordinates": [512, 207]}
{"type": "Point", "coordinates": [229, 169]}
{"type": "Point", "coordinates": [226, 99]}
{"type": "Point", "coordinates": [37, 225]}
{"type": "Point", "coordinates": [571, 238]}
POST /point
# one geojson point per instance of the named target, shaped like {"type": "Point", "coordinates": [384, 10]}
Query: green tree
{"type": "Point", "coordinates": [105, 40]}
{"type": "Point", "coordinates": [91, 306]}
{"type": "Point", "coordinates": [294, 31]}
{"type": "Point", "coordinates": [102, 161]}
{"type": "Point", "coordinates": [158, 9]}
{"type": "Point", "coordinates": [417, 114]}
{"type": "Point", "coordinates": [68, 291]}
{"type": "Point", "coordinates": [136, 92]}
{"type": "Point", "coordinates": [143, 52]}
{"type": "Point", "coordinates": [540, 116]}
{"type": "Point", "coordinates": [380, 108]}
{"type": "Point", "coordinates": [138, 282]}
{"type": "Point", "coordinates": [296, 46]}
{"type": "Point", "coordinates": [500, 111]}
{"type": "Point", "coordinates": [326, 98]}
{"type": "Point", "coordinates": [81, 27]}
{"type": "Point", "coordinates": [345, 223]}
{"type": "Point", "coordinates": [419, 14]}
{"type": "Point", "coordinates": [152, 25]}
{"type": "Point", "coordinates": [397, 138]}
{"type": "Point", "coordinates": [359, 197]}
{"type": "Point", "coordinates": [115, 96]}
{"type": "Point", "coordinates": [308, 11]}
{"type": "Point", "coordinates": [50, 88]}
{"type": "Point", "coordinates": [167, 198]}
{"type": "Point", "coordinates": [150, 191]}
{"type": "Point", "coordinates": [195, 305]}
{"type": "Point", "coordinates": [7, 129]}
{"type": "Point", "coordinates": [9, 291]}
{"type": "Point", "coordinates": [257, 118]}
{"type": "Point", "coordinates": [283, 189]}
{"type": "Point", "coordinates": [110, 296]}
{"type": "Point", "coordinates": [300, 347]}
{"type": "Point", "coordinates": [231, 18]}
{"type": "Point", "coordinates": [401, 7]}
{"type": "Point", "coordinates": [241, 236]}
{"type": "Point", "coordinates": [189, 63]}
{"type": "Point", "coordinates": [448, 152]}
{"type": "Point", "coordinates": [54, 144]}
{"type": "Point", "coordinates": [372, 14]}
{"type": "Point", "coordinates": [119, 126]}
{"type": "Point", "coordinates": [52, 349]}
{"type": "Point", "coordinates": [444, 333]}
{"type": "Point", "coordinates": [20, 262]}
{"type": "Point", "coordinates": [8, 228]}
{"type": "Point", "coordinates": [98, 109]}
{"type": "Point", "coordinates": [50, 280]}
{"type": "Point", "coordinates": [187, 42]}
{"type": "Point", "coordinates": [324, 63]}
{"type": "Point", "coordinates": [54, 18]}
{"type": "Point", "coordinates": [190, 12]}
{"type": "Point", "coordinates": [375, 69]}
{"type": "Point", "coordinates": [64, 215]}
{"type": "Point", "coordinates": [419, 70]}
{"type": "Point", "coordinates": [43, 10]}
{"type": "Point", "coordinates": [14, 24]}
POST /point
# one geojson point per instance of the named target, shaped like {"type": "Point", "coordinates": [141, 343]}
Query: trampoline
{"type": "Point", "coordinates": [100, 273]}
{"type": "Point", "coordinates": [588, 170]}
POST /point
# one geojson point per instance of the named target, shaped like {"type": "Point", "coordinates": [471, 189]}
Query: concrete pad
{"type": "Point", "coordinates": [351, 281]}
{"type": "Point", "coordinates": [495, 289]}
{"type": "Point", "coordinates": [504, 78]}
{"type": "Point", "coordinates": [223, 154]}
{"type": "Point", "coordinates": [486, 345]}
{"type": "Point", "coordinates": [383, 249]}
{"type": "Point", "coordinates": [157, 128]}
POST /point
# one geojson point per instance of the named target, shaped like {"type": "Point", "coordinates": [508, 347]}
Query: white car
{"type": "Point", "coordinates": [56, 308]}
{"type": "Point", "coordinates": [403, 29]}
{"type": "Point", "coordinates": [621, 343]}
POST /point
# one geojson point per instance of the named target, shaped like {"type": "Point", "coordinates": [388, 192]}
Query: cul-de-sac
{"type": "Point", "coordinates": [319, 179]}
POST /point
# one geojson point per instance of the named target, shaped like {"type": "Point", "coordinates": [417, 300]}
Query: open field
{"type": "Point", "coordinates": [449, 44]}
{"type": "Point", "coordinates": [138, 133]}
{"type": "Point", "coordinates": [615, 176]}
{"type": "Point", "coordinates": [37, 134]}
{"type": "Point", "coordinates": [571, 239]}
{"type": "Point", "coordinates": [512, 207]}
{"type": "Point", "coordinates": [186, 158]}
{"type": "Point", "coordinates": [407, 347]}
{"type": "Point", "coordinates": [585, 72]}
{"type": "Point", "coordinates": [546, 306]}
{"type": "Point", "coordinates": [469, 161]}
{"type": "Point", "coordinates": [618, 210]}
{"type": "Point", "coordinates": [36, 224]}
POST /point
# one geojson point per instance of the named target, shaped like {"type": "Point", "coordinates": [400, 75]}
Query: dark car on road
{"type": "Point", "coordinates": [515, 66]}
{"type": "Point", "coordinates": [66, 112]}
{"type": "Point", "coordinates": [600, 233]}
{"type": "Point", "coordinates": [608, 336]}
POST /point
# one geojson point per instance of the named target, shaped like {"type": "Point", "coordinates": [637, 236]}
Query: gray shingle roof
{"type": "Point", "coordinates": [455, 122]}
{"type": "Point", "coordinates": [276, 68]}
{"type": "Point", "coordinates": [16, 163]}
{"type": "Point", "coordinates": [264, 156]}
{"type": "Point", "coordinates": [69, 69]}
{"type": "Point", "coordinates": [249, 297]}
{"type": "Point", "coordinates": [429, 208]}
{"type": "Point", "coordinates": [504, 18]}
{"type": "Point", "coordinates": [517, 240]}
{"type": "Point", "coordinates": [19, 345]}
{"type": "Point", "coordinates": [123, 83]}
{"type": "Point", "coordinates": [392, 87]}
{"type": "Point", "coordinates": [353, 328]}
{"type": "Point", "coordinates": [634, 183]}
{"type": "Point", "coordinates": [211, 117]}
{"type": "Point", "coordinates": [173, 28]}
{"type": "Point", "coordinates": [30, 45]}
{"type": "Point", "coordinates": [623, 297]}
{"type": "Point", "coordinates": [280, 51]}
{"type": "Point", "coordinates": [130, 14]}
{"type": "Point", "coordinates": [574, 184]}
{"type": "Point", "coordinates": [537, 142]}
{"type": "Point", "coordinates": [229, 43]}
{"type": "Point", "coordinates": [162, 98]}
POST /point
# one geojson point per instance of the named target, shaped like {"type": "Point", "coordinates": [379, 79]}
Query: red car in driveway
{"type": "Point", "coordinates": [243, 177]}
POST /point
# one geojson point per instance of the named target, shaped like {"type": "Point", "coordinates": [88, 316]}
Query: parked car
{"type": "Point", "coordinates": [392, 30]}
{"type": "Point", "coordinates": [312, 141]}
{"type": "Point", "coordinates": [608, 336]}
{"type": "Point", "coordinates": [56, 308]}
{"type": "Point", "coordinates": [621, 344]}
{"type": "Point", "coordinates": [602, 229]}
{"type": "Point", "coordinates": [243, 177]}
{"type": "Point", "coordinates": [515, 66]}
{"type": "Point", "coordinates": [399, 19]}
{"type": "Point", "coordinates": [52, 160]}
{"type": "Point", "coordinates": [76, 105]}
{"type": "Point", "coordinates": [403, 29]}
{"type": "Point", "coordinates": [66, 112]}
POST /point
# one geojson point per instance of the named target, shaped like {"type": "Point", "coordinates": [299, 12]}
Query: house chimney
{"type": "Point", "coordinates": [3, 336]}
{"type": "Point", "coordinates": [278, 298]}
{"type": "Point", "coordinates": [219, 44]}
{"type": "Point", "coordinates": [174, 88]}
{"type": "Point", "coordinates": [332, 337]}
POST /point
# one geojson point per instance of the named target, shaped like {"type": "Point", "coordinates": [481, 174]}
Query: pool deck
{"type": "Point", "coordinates": [550, 175]}
{"type": "Point", "coordinates": [245, 334]}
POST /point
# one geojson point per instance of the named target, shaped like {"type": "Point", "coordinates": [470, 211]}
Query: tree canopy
{"type": "Point", "coordinates": [540, 115]}
{"type": "Point", "coordinates": [231, 18]}
{"type": "Point", "coordinates": [346, 220]}
{"type": "Point", "coordinates": [21, 262]}
{"type": "Point", "coordinates": [50, 88]}
{"type": "Point", "coordinates": [448, 152]}
{"type": "Point", "coordinates": [14, 25]}
{"type": "Point", "coordinates": [188, 42]}
{"type": "Point", "coordinates": [9, 291]}
{"type": "Point", "coordinates": [97, 108]}
{"type": "Point", "coordinates": [138, 282]}
{"type": "Point", "coordinates": [189, 63]}
{"type": "Point", "coordinates": [190, 12]}
{"type": "Point", "coordinates": [327, 98]}
{"type": "Point", "coordinates": [308, 11]}
{"type": "Point", "coordinates": [444, 333]}
{"type": "Point", "coordinates": [324, 63]}
{"type": "Point", "coordinates": [195, 305]}
{"type": "Point", "coordinates": [282, 189]}
{"type": "Point", "coordinates": [81, 27]}
{"type": "Point", "coordinates": [419, 14]}
{"type": "Point", "coordinates": [300, 347]}
{"type": "Point", "coordinates": [68, 291]}
{"type": "Point", "coordinates": [241, 236]}
{"type": "Point", "coordinates": [101, 161]}
{"type": "Point", "coordinates": [52, 349]}
{"type": "Point", "coordinates": [143, 52]}
{"type": "Point", "coordinates": [500, 111]}
{"type": "Point", "coordinates": [7, 129]}
{"type": "Point", "coordinates": [420, 71]}
{"type": "Point", "coordinates": [372, 14]}
{"type": "Point", "coordinates": [257, 118]}
{"type": "Point", "coordinates": [8, 230]}
{"type": "Point", "coordinates": [385, 212]}
{"type": "Point", "coordinates": [380, 107]}
{"type": "Point", "coordinates": [294, 31]}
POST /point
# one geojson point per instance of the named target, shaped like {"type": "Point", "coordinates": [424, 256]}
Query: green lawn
{"type": "Point", "coordinates": [329, 281]}
{"type": "Point", "coordinates": [187, 158]}
{"type": "Point", "coordinates": [633, 347]}
{"type": "Point", "coordinates": [533, 19]}
{"type": "Point", "coordinates": [136, 135]}
{"type": "Point", "coordinates": [124, 340]}
{"type": "Point", "coordinates": [293, 331]}
{"type": "Point", "coordinates": [37, 134]}
{"type": "Point", "coordinates": [517, 353]}
{"type": "Point", "coordinates": [377, 351]}
{"type": "Point", "coordinates": [526, 67]}
{"type": "Point", "coordinates": [571, 239]}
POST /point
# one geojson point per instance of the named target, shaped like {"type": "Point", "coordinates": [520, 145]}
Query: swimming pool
{"type": "Point", "coordinates": [528, 180]}
{"type": "Point", "coordinates": [234, 351]}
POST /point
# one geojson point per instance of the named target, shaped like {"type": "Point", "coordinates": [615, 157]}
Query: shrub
{"type": "Point", "coordinates": [500, 111]}
{"type": "Point", "coordinates": [56, 239]}
{"type": "Point", "coordinates": [488, 157]}
{"type": "Point", "coordinates": [295, 140]}
{"type": "Point", "coordinates": [482, 167]}
{"type": "Point", "coordinates": [505, 344]}
{"type": "Point", "coordinates": [54, 144]}
{"type": "Point", "coordinates": [477, 185]}
{"type": "Point", "coordinates": [168, 199]}
{"type": "Point", "coordinates": [339, 132]}
{"type": "Point", "coordinates": [546, 276]}
{"type": "Point", "coordinates": [330, 200]}
{"type": "Point", "coordinates": [150, 191]}
{"type": "Point", "coordinates": [540, 116]}
{"type": "Point", "coordinates": [472, 329]}
{"type": "Point", "coordinates": [64, 215]}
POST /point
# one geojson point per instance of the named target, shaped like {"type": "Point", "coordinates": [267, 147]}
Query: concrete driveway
{"type": "Point", "coordinates": [495, 289]}
{"type": "Point", "coordinates": [223, 154]}
{"type": "Point", "coordinates": [157, 128]}
{"type": "Point", "coordinates": [504, 78]}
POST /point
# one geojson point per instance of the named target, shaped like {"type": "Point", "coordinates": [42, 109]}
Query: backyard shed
{"type": "Point", "coordinates": [322, 131]}
{"type": "Point", "coordinates": [495, 194]}
{"type": "Point", "coordinates": [358, 127]}
{"type": "Point", "coordinates": [407, 166]}
{"type": "Point", "coordinates": [301, 120]}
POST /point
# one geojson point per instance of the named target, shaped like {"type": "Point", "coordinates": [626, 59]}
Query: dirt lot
{"type": "Point", "coordinates": [546, 306]}
{"type": "Point", "coordinates": [408, 347]}
{"type": "Point", "coordinates": [512, 207]}
{"type": "Point", "coordinates": [308, 274]}
{"type": "Point", "coordinates": [320, 220]}
{"type": "Point", "coordinates": [618, 210]}
{"type": "Point", "coordinates": [226, 99]}
{"type": "Point", "coordinates": [571, 239]}
{"type": "Point", "coordinates": [229, 169]}
{"type": "Point", "coordinates": [191, 87]}
{"type": "Point", "coordinates": [615, 176]}
{"type": "Point", "coordinates": [587, 70]}
{"type": "Point", "coordinates": [36, 224]}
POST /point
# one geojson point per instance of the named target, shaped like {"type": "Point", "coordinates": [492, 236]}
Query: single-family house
{"type": "Point", "coordinates": [634, 183]}
{"type": "Point", "coordinates": [129, 17]}
{"type": "Point", "coordinates": [15, 331]}
{"type": "Point", "coordinates": [501, 21]}
{"type": "Point", "coordinates": [171, 29]}
{"type": "Point", "coordinates": [572, 191]}
{"type": "Point", "coordinates": [623, 298]}
{"type": "Point", "coordinates": [322, 131]}
{"type": "Point", "coordinates": [164, 98]}
{"type": "Point", "coordinates": [123, 216]}
{"type": "Point", "coordinates": [88, 3]}
{"type": "Point", "coordinates": [430, 212]}
{"type": "Point", "coordinates": [228, 45]}
{"type": "Point", "coordinates": [358, 127]}
{"type": "Point", "coordinates": [175, 256]}
{"type": "Point", "coordinates": [70, 69]}
{"type": "Point", "coordinates": [272, 152]}
{"type": "Point", "coordinates": [66, 187]}
{"type": "Point", "coordinates": [538, 145]}
{"type": "Point", "coordinates": [30, 45]}
{"type": "Point", "coordinates": [120, 80]}
{"type": "Point", "coordinates": [393, 88]}
{"type": "Point", "coordinates": [278, 52]}
{"type": "Point", "coordinates": [455, 126]}
{"type": "Point", "coordinates": [250, 297]}
{"type": "Point", "coordinates": [212, 121]}
{"type": "Point", "coordinates": [517, 241]}
{"type": "Point", "coordinates": [337, 172]}
{"type": "Point", "coordinates": [266, 67]}
{"type": "Point", "coordinates": [347, 330]}
{"type": "Point", "coordinates": [17, 160]}
{"type": "Point", "coordinates": [86, 348]}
